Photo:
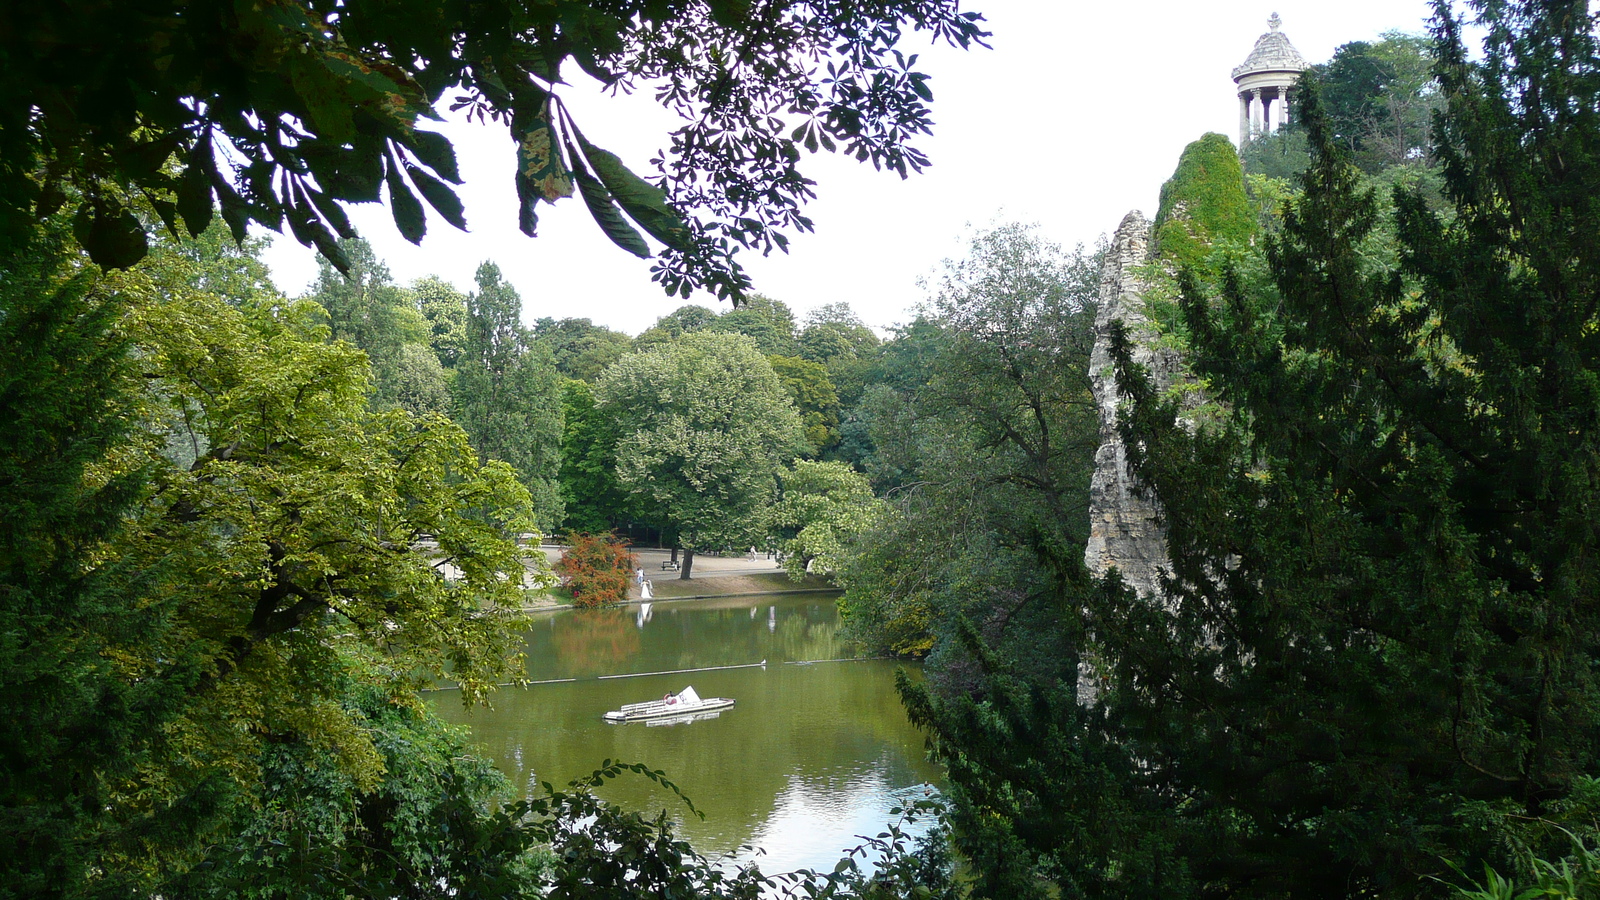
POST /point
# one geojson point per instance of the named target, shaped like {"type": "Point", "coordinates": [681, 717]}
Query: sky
{"type": "Point", "coordinates": [1075, 117]}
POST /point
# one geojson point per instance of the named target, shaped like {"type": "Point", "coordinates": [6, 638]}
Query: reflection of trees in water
{"type": "Point", "coordinates": [833, 732]}
{"type": "Point", "coordinates": [595, 642]}
{"type": "Point", "coordinates": [803, 637]}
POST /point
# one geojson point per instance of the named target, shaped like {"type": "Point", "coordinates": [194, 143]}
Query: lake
{"type": "Point", "coordinates": [816, 751]}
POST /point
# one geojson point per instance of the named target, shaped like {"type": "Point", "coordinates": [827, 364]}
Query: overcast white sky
{"type": "Point", "coordinates": [1075, 117]}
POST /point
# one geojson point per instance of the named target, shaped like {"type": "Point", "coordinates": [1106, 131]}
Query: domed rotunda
{"type": "Point", "coordinates": [1265, 81]}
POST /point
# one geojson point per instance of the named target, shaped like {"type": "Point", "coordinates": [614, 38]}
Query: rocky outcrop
{"type": "Point", "coordinates": [1124, 527]}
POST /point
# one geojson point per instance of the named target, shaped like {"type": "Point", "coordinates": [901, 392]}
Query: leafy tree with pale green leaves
{"type": "Point", "coordinates": [705, 427]}
{"type": "Point", "coordinates": [418, 384]}
{"type": "Point", "coordinates": [826, 508]}
{"type": "Point", "coordinates": [507, 394]}
{"type": "Point", "coordinates": [681, 321]}
{"type": "Point", "coordinates": [836, 337]}
{"type": "Point", "coordinates": [769, 322]}
{"type": "Point", "coordinates": [222, 524]}
{"type": "Point", "coordinates": [445, 309]}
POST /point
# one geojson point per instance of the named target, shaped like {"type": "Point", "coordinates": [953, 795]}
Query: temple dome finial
{"type": "Point", "coordinates": [1274, 23]}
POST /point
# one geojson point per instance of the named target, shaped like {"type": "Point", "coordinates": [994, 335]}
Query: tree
{"type": "Point", "coordinates": [64, 385]}
{"type": "Point", "coordinates": [836, 337]}
{"type": "Point", "coordinates": [366, 308]}
{"type": "Point", "coordinates": [1378, 100]}
{"type": "Point", "coordinates": [1375, 649]}
{"type": "Point", "coordinates": [580, 348]}
{"type": "Point", "coordinates": [594, 500]}
{"type": "Point", "coordinates": [990, 441]}
{"type": "Point", "coordinates": [768, 322]}
{"type": "Point", "coordinates": [445, 309]}
{"type": "Point", "coordinates": [812, 394]}
{"type": "Point", "coordinates": [208, 529]}
{"type": "Point", "coordinates": [507, 394]}
{"type": "Point", "coordinates": [596, 568]}
{"type": "Point", "coordinates": [681, 321]}
{"type": "Point", "coordinates": [418, 384]}
{"type": "Point", "coordinates": [318, 104]}
{"type": "Point", "coordinates": [826, 507]}
{"type": "Point", "coordinates": [430, 821]}
{"type": "Point", "coordinates": [705, 426]}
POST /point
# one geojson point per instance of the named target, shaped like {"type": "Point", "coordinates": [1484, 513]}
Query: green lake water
{"type": "Point", "coordinates": [815, 752]}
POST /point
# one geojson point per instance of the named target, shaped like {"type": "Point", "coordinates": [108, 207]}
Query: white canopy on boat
{"type": "Point", "coordinates": [688, 696]}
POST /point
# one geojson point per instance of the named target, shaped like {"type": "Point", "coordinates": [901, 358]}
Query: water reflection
{"type": "Point", "coordinates": [811, 756]}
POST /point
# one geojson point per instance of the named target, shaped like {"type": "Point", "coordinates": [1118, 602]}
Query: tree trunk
{"type": "Point", "coordinates": [688, 563]}
{"type": "Point", "coordinates": [674, 552]}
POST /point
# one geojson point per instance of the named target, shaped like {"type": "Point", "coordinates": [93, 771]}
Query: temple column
{"type": "Point", "coordinates": [1256, 110]}
{"type": "Point", "coordinates": [1244, 120]}
{"type": "Point", "coordinates": [1283, 107]}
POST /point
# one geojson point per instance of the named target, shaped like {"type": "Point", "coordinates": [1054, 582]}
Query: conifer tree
{"type": "Point", "coordinates": [1375, 655]}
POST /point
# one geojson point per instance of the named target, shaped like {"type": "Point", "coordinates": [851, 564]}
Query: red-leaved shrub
{"type": "Point", "coordinates": [596, 568]}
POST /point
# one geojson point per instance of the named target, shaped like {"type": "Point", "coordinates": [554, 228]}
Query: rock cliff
{"type": "Point", "coordinates": [1124, 527]}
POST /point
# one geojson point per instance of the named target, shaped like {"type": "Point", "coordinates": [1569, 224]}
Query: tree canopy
{"type": "Point", "coordinates": [1370, 668]}
{"type": "Point", "coordinates": [284, 112]}
{"type": "Point", "coordinates": [704, 427]}
{"type": "Point", "coordinates": [208, 531]}
{"type": "Point", "coordinates": [506, 392]}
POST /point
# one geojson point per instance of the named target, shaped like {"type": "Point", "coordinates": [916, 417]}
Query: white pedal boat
{"type": "Point", "coordinates": [685, 704]}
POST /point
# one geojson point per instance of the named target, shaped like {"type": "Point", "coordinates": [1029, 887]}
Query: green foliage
{"type": "Point", "coordinates": [69, 720]}
{"type": "Point", "coordinates": [1378, 100]}
{"type": "Point", "coordinates": [208, 530]}
{"type": "Point", "coordinates": [367, 309]}
{"type": "Point", "coordinates": [1574, 877]}
{"type": "Point", "coordinates": [1203, 204]}
{"type": "Point", "coordinates": [445, 309]}
{"type": "Point", "coordinates": [705, 426]}
{"type": "Point", "coordinates": [1376, 647]}
{"type": "Point", "coordinates": [1282, 154]}
{"type": "Point", "coordinates": [429, 826]}
{"type": "Point", "coordinates": [681, 321]}
{"type": "Point", "coordinates": [507, 394]}
{"type": "Point", "coordinates": [581, 349]}
{"type": "Point", "coordinates": [811, 392]}
{"type": "Point", "coordinates": [826, 508]}
{"type": "Point", "coordinates": [986, 424]}
{"type": "Point", "coordinates": [417, 383]}
{"type": "Point", "coordinates": [597, 568]}
{"type": "Point", "coordinates": [836, 337]}
{"type": "Point", "coordinates": [319, 108]}
{"type": "Point", "coordinates": [768, 322]}
{"type": "Point", "coordinates": [594, 499]}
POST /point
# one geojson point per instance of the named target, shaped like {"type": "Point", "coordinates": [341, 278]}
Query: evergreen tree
{"type": "Point", "coordinates": [1376, 651]}
{"type": "Point", "coordinates": [68, 718]}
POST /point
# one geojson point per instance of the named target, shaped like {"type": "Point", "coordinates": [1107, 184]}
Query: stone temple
{"type": "Point", "coordinates": [1265, 80]}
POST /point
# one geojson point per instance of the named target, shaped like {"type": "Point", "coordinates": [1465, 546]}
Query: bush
{"type": "Point", "coordinates": [596, 568]}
